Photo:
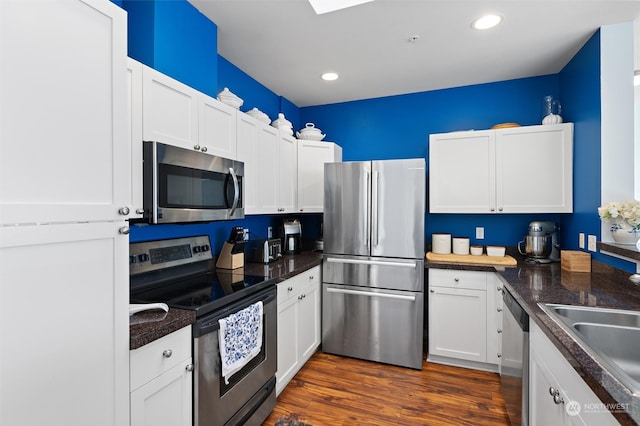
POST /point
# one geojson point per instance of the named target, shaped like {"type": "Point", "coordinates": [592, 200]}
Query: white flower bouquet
{"type": "Point", "coordinates": [629, 211]}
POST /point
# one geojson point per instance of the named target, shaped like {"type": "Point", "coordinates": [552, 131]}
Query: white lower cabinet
{"type": "Point", "coordinates": [298, 323]}
{"type": "Point", "coordinates": [161, 381]}
{"type": "Point", "coordinates": [464, 318]}
{"type": "Point", "coordinates": [557, 394]}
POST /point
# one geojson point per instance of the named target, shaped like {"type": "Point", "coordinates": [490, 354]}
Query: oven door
{"type": "Point", "coordinates": [189, 186]}
{"type": "Point", "coordinates": [250, 395]}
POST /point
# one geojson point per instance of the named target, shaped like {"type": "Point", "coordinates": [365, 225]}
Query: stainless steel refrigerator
{"type": "Point", "coordinates": [373, 265]}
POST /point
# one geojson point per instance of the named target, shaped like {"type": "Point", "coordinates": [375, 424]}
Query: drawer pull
{"type": "Point", "coordinates": [289, 288]}
{"type": "Point", "coordinates": [456, 279]}
{"type": "Point", "coordinates": [189, 368]}
{"type": "Point", "coordinates": [167, 353]}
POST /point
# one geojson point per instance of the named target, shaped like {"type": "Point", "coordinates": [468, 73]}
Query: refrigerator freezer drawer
{"type": "Point", "coordinates": [372, 324]}
{"type": "Point", "coordinates": [397, 274]}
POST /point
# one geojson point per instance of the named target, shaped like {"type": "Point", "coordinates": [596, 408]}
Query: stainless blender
{"type": "Point", "coordinates": [541, 243]}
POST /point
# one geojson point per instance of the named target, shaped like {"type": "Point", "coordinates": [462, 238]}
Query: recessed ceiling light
{"type": "Point", "coordinates": [487, 21]}
{"type": "Point", "coordinates": [330, 76]}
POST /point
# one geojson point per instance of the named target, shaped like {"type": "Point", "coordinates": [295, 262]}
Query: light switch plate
{"type": "Point", "coordinates": [479, 233]}
{"type": "Point", "coordinates": [581, 240]}
{"type": "Point", "coordinates": [591, 243]}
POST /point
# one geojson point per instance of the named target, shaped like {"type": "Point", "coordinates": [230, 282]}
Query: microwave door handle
{"type": "Point", "coordinates": [236, 191]}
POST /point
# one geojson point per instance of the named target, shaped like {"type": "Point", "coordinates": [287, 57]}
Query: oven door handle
{"type": "Point", "coordinates": [236, 191]}
{"type": "Point", "coordinates": [211, 323]}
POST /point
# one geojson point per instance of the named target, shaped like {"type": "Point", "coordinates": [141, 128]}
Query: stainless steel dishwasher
{"type": "Point", "coordinates": [514, 370]}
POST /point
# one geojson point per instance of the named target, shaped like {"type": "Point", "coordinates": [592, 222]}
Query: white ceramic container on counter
{"type": "Point", "coordinates": [441, 243]}
{"type": "Point", "coordinates": [460, 245]}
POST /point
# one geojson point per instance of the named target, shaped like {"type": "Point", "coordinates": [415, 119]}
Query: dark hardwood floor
{"type": "Point", "coordinates": [332, 390]}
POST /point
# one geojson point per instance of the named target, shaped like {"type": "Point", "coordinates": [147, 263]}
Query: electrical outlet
{"type": "Point", "coordinates": [270, 232]}
{"type": "Point", "coordinates": [591, 243]}
{"type": "Point", "coordinates": [479, 233]}
{"type": "Point", "coordinates": [581, 240]}
{"type": "Point", "coordinates": [245, 234]}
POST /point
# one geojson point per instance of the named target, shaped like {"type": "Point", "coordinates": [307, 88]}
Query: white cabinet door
{"type": "Point", "coordinates": [514, 170]}
{"type": "Point", "coordinates": [170, 110]}
{"type": "Point", "coordinates": [309, 315]}
{"type": "Point", "coordinates": [134, 92]}
{"type": "Point", "coordinates": [258, 149]}
{"type": "Point", "coordinates": [534, 169]}
{"type": "Point", "coordinates": [458, 323]}
{"type": "Point", "coordinates": [494, 319]}
{"type": "Point", "coordinates": [64, 325]}
{"type": "Point", "coordinates": [311, 158]}
{"type": "Point", "coordinates": [217, 127]}
{"type": "Point", "coordinates": [298, 323]}
{"type": "Point", "coordinates": [287, 170]}
{"type": "Point", "coordinates": [542, 408]}
{"type": "Point", "coordinates": [161, 386]}
{"type": "Point", "coordinates": [287, 335]}
{"type": "Point", "coordinates": [462, 172]}
{"type": "Point", "coordinates": [64, 153]}
{"type": "Point", "coordinates": [166, 400]}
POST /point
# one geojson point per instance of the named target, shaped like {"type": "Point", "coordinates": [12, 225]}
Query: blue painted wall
{"type": "Point", "coordinates": [173, 37]}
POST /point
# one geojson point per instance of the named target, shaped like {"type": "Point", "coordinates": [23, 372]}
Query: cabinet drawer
{"type": "Point", "coordinates": [151, 360]}
{"type": "Point", "coordinates": [471, 280]}
{"type": "Point", "coordinates": [298, 284]}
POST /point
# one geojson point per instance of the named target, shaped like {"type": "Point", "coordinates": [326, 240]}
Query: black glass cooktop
{"type": "Point", "coordinates": [203, 292]}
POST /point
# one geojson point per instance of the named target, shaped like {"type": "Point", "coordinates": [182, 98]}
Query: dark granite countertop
{"type": "Point", "coordinates": [603, 287]}
{"type": "Point", "coordinates": [145, 327]}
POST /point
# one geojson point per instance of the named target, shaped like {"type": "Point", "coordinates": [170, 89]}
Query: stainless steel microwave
{"type": "Point", "coordinates": [182, 185]}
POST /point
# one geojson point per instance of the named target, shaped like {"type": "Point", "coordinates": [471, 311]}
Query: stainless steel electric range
{"type": "Point", "coordinates": [181, 273]}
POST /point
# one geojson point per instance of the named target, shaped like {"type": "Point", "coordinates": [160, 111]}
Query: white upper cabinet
{"type": "Point", "coordinates": [287, 173]}
{"type": "Point", "coordinates": [176, 114]}
{"type": "Point", "coordinates": [134, 96]}
{"type": "Point", "coordinates": [217, 127]}
{"type": "Point", "coordinates": [311, 158]}
{"type": "Point", "coordinates": [170, 110]}
{"type": "Point", "coordinates": [257, 149]}
{"type": "Point", "coordinates": [514, 170]}
{"type": "Point", "coordinates": [64, 153]}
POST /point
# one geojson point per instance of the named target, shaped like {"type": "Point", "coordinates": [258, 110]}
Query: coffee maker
{"type": "Point", "coordinates": [292, 236]}
{"type": "Point", "coordinates": [541, 243]}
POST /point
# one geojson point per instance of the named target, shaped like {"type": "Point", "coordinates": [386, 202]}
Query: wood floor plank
{"type": "Point", "coordinates": [333, 390]}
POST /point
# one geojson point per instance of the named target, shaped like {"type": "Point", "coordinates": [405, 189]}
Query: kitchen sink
{"type": "Point", "coordinates": [610, 336]}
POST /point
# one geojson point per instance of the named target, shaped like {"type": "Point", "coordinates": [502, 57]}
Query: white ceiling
{"type": "Point", "coordinates": [285, 46]}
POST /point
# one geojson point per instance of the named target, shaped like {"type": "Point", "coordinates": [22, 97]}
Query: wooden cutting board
{"type": "Point", "coordinates": [473, 260]}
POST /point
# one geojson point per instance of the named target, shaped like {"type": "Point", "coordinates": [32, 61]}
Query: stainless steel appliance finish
{"type": "Point", "coordinates": [292, 236]}
{"type": "Point", "coordinates": [373, 271]}
{"type": "Point", "coordinates": [180, 273]}
{"type": "Point", "coordinates": [541, 243]}
{"type": "Point", "coordinates": [514, 370]}
{"type": "Point", "coordinates": [181, 185]}
{"type": "Point", "coordinates": [263, 250]}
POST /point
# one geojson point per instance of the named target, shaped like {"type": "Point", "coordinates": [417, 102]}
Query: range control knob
{"type": "Point", "coordinates": [197, 249]}
{"type": "Point", "coordinates": [144, 257]}
{"type": "Point", "coordinates": [206, 247]}
{"type": "Point", "coordinates": [133, 259]}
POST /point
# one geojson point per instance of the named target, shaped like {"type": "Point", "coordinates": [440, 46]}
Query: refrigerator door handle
{"type": "Point", "coordinates": [372, 262]}
{"type": "Point", "coordinates": [374, 209]}
{"type": "Point", "coordinates": [371, 294]}
{"type": "Point", "coordinates": [367, 223]}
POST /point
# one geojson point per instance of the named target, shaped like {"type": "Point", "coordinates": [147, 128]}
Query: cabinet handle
{"type": "Point", "coordinates": [124, 211]}
{"type": "Point", "coordinates": [456, 279]}
{"type": "Point", "coordinates": [124, 230]}
{"type": "Point", "coordinates": [499, 355]}
{"type": "Point", "coordinates": [499, 331]}
{"type": "Point", "coordinates": [139, 211]}
{"type": "Point", "coordinates": [500, 209]}
{"type": "Point", "coordinates": [310, 277]}
{"type": "Point", "coordinates": [432, 291]}
{"type": "Point", "coordinates": [196, 147]}
{"type": "Point", "coordinates": [203, 149]}
{"type": "Point", "coordinates": [499, 309]}
{"type": "Point", "coordinates": [167, 353]}
{"type": "Point", "coordinates": [189, 368]}
{"type": "Point", "coordinates": [492, 209]}
{"type": "Point", "coordinates": [289, 288]}
{"type": "Point", "coordinates": [499, 289]}
{"type": "Point", "coordinates": [555, 393]}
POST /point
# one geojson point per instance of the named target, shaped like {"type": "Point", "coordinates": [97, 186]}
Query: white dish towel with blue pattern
{"type": "Point", "coordinates": [240, 339]}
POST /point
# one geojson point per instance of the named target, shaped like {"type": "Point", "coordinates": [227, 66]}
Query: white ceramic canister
{"type": "Point", "coordinates": [460, 245]}
{"type": "Point", "coordinates": [441, 243]}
